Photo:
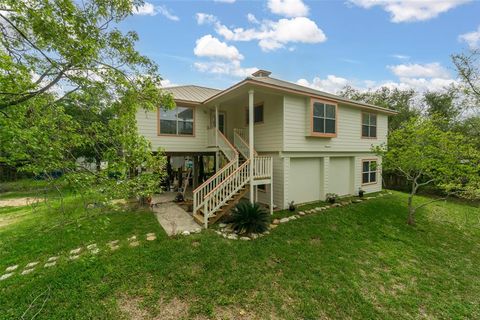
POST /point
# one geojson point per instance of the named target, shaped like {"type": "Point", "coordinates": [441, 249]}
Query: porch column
{"type": "Point", "coordinates": [250, 140]}
{"type": "Point", "coordinates": [217, 162]}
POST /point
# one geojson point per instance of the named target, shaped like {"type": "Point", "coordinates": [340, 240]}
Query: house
{"type": "Point", "coordinates": [304, 143]}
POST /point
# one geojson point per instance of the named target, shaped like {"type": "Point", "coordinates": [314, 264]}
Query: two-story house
{"type": "Point", "coordinates": [304, 143]}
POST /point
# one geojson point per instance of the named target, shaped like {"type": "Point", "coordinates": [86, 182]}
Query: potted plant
{"type": "Point", "coordinates": [291, 206]}
{"type": "Point", "coordinates": [331, 197]}
{"type": "Point", "coordinates": [361, 192]}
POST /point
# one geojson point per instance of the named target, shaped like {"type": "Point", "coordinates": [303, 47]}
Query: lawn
{"type": "Point", "coordinates": [359, 261]}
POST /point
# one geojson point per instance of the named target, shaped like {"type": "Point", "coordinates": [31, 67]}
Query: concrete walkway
{"type": "Point", "coordinates": [174, 219]}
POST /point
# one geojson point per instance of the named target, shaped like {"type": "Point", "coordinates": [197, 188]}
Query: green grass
{"type": "Point", "coordinates": [360, 261]}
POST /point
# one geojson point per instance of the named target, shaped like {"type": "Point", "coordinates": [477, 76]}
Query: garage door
{"type": "Point", "coordinates": [304, 180]}
{"type": "Point", "coordinates": [340, 179]}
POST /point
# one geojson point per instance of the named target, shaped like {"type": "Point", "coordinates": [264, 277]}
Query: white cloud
{"type": "Point", "coordinates": [330, 84]}
{"type": "Point", "coordinates": [401, 56]}
{"type": "Point", "coordinates": [148, 9]}
{"type": "Point", "coordinates": [411, 10]}
{"type": "Point", "coordinates": [418, 77]}
{"type": "Point", "coordinates": [252, 19]}
{"type": "Point", "coordinates": [471, 38]}
{"type": "Point", "coordinates": [288, 8]}
{"type": "Point", "coordinates": [225, 1]}
{"type": "Point", "coordinates": [271, 35]}
{"type": "Point", "coordinates": [167, 83]}
{"type": "Point", "coordinates": [429, 70]}
{"type": "Point", "coordinates": [211, 47]}
{"type": "Point", "coordinates": [232, 68]}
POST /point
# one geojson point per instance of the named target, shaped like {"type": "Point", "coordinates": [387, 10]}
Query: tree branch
{"type": "Point", "coordinates": [429, 202]}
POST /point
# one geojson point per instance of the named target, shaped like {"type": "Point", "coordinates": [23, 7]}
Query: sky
{"type": "Point", "coordinates": [322, 44]}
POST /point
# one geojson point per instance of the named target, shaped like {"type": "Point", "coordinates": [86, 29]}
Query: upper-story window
{"type": "Point", "coordinates": [369, 125]}
{"type": "Point", "coordinates": [178, 121]}
{"type": "Point", "coordinates": [324, 119]}
{"type": "Point", "coordinates": [257, 114]}
{"type": "Point", "coordinates": [369, 171]}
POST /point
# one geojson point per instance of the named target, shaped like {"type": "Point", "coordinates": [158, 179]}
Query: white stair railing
{"type": "Point", "coordinates": [225, 190]}
{"type": "Point", "coordinates": [240, 142]}
{"type": "Point", "coordinates": [206, 187]}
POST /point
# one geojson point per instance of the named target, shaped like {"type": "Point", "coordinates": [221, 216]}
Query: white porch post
{"type": "Point", "coordinates": [250, 140]}
{"type": "Point", "coordinates": [217, 159]}
{"type": "Point", "coordinates": [271, 186]}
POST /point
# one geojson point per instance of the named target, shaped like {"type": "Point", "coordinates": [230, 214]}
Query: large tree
{"type": "Point", "coordinates": [426, 154]}
{"type": "Point", "coordinates": [468, 69]}
{"type": "Point", "coordinates": [71, 84]}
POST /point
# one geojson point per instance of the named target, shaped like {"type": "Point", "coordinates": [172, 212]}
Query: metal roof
{"type": "Point", "coordinates": [192, 93]}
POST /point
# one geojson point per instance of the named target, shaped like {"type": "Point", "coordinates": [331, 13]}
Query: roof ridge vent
{"type": "Point", "coordinates": [261, 73]}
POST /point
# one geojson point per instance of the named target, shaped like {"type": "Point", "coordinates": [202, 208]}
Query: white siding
{"type": "Point", "coordinates": [147, 126]}
{"type": "Point", "coordinates": [296, 122]}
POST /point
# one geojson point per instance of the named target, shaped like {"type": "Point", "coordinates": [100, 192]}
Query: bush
{"type": "Point", "coordinates": [249, 218]}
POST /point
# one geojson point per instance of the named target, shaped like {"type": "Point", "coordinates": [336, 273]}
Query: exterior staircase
{"type": "Point", "coordinates": [221, 192]}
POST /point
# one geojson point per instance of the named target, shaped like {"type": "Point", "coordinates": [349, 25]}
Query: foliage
{"type": "Point", "coordinates": [425, 154]}
{"type": "Point", "coordinates": [468, 69]}
{"type": "Point", "coordinates": [71, 86]}
{"type": "Point", "coordinates": [249, 218]}
{"type": "Point", "coordinates": [331, 197]}
{"type": "Point", "coordinates": [443, 105]}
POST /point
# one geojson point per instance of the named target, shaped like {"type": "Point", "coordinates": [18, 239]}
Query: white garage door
{"type": "Point", "coordinates": [304, 180]}
{"type": "Point", "coordinates": [340, 177]}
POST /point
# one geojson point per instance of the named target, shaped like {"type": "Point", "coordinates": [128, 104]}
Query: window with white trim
{"type": "Point", "coordinates": [369, 125]}
{"type": "Point", "coordinates": [369, 171]}
{"type": "Point", "coordinates": [178, 121]}
{"type": "Point", "coordinates": [324, 118]}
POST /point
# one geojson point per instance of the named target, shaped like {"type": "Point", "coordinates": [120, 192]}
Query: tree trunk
{"type": "Point", "coordinates": [411, 208]}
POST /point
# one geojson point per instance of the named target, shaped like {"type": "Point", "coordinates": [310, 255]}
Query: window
{"type": "Point", "coordinates": [369, 125]}
{"type": "Point", "coordinates": [178, 121]}
{"type": "Point", "coordinates": [262, 187]}
{"type": "Point", "coordinates": [324, 117]}
{"type": "Point", "coordinates": [369, 171]}
{"type": "Point", "coordinates": [257, 114]}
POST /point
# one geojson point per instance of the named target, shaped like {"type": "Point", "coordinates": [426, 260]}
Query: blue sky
{"type": "Point", "coordinates": [322, 44]}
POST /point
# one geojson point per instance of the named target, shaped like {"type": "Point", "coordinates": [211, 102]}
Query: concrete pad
{"type": "Point", "coordinates": [32, 264]}
{"type": "Point", "coordinates": [55, 258]}
{"type": "Point", "coordinates": [174, 219]}
{"type": "Point", "coordinates": [50, 264]}
{"type": "Point", "coordinates": [6, 276]}
{"type": "Point", "coordinates": [27, 271]}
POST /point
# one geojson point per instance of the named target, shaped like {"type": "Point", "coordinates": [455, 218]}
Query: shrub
{"type": "Point", "coordinates": [249, 218]}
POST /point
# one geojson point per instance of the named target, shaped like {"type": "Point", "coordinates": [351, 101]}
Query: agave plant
{"type": "Point", "coordinates": [249, 218]}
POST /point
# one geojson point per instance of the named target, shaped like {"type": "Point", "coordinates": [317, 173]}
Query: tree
{"type": "Point", "coordinates": [468, 69]}
{"type": "Point", "coordinates": [71, 85]}
{"type": "Point", "coordinates": [425, 154]}
{"type": "Point", "coordinates": [402, 101]}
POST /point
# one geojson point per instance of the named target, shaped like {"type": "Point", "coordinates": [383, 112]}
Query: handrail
{"type": "Point", "coordinates": [241, 144]}
{"type": "Point", "coordinates": [262, 167]}
{"type": "Point", "coordinates": [232, 155]}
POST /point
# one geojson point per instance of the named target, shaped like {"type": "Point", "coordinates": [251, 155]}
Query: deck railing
{"type": "Point", "coordinates": [240, 140]}
{"type": "Point", "coordinates": [263, 167]}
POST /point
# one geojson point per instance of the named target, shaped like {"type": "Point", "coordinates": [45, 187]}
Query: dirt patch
{"type": "Point", "coordinates": [169, 309]}
{"type": "Point", "coordinates": [179, 309]}
{"type": "Point", "coordinates": [17, 202]}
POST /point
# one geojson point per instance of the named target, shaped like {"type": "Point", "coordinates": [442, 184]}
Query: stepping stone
{"type": "Point", "coordinates": [132, 238]}
{"type": "Point", "coordinates": [273, 226]}
{"type": "Point", "coordinates": [276, 221]}
{"type": "Point", "coordinates": [31, 265]}
{"type": "Point", "coordinates": [12, 268]}
{"type": "Point", "coordinates": [75, 251]}
{"type": "Point", "coordinates": [222, 225]}
{"type": "Point", "coordinates": [113, 243]}
{"type": "Point", "coordinates": [27, 271]}
{"type": "Point", "coordinates": [114, 247]}
{"type": "Point", "coordinates": [50, 264]}
{"type": "Point", "coordinates": [75, 257]}
{"type": "Point", "coordinates": [197, 230]}
{"type": "Point", "coordinates": [134, 244]}
{"type": "Point", "coordinates": [51, 259]}
{"type": "Point", "coordinates": [6, 275]}
{"type": "Point", "coordinates": [151, 236]}
{"type": "Point", "coordinates": [283, 220]}
{"type": "Point", "coordinates": [92, 246]}
{"type": "Point", "coordinates": [245, 238]}
{"type": "Point", "coordinates": [185, 233]}
{"type": "Point", "coordinates": [301, 213]}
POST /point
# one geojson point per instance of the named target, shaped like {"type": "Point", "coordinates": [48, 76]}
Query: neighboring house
{"type": "Point", "coordinates": [306, 143]}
